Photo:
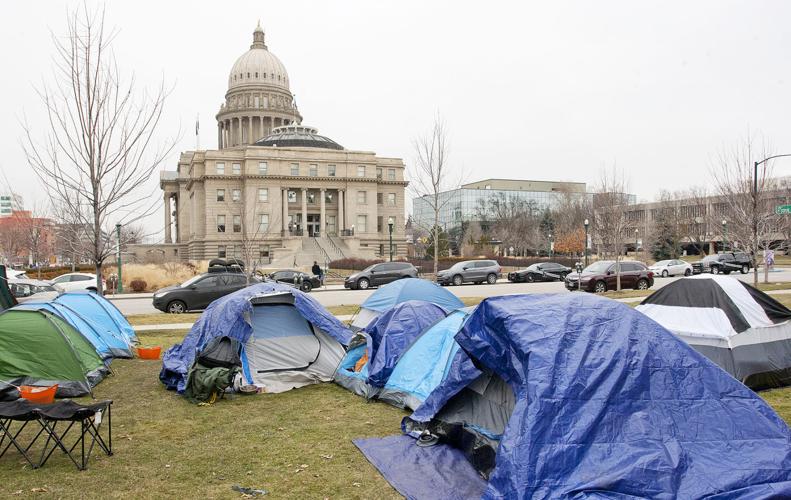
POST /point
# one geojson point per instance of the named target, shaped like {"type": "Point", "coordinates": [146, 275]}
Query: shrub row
{"type": "Point", "coordinates": [427, 265]}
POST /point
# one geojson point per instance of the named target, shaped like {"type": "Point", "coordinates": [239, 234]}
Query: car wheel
{"type": "Point", "coordinates": [306, 287]}
{"type": "Point", "coordinates": [745, 269]}
{"type": "Point", "coordinates": [491, 279]}
{"type": "Point", "coordinates": [177, 307]}
{"type": "Point", "coordinates": [529, 278]}
{"type": "Point", "coordinates": [715, 270]}
{"type": "Point", "coordinates": [363, 284]}
{"type": "Point", "coordinates": [664, 273]}
{"type": "Point", "coordinates": [600, 287]}
{"type": "Point", "coordinates": [687, 272]}
{"type": "Point", "coordinates": [726, 272]}
{"type": "Point", "coordinates": [458, 280]}
{"type": "Point", "coordinates": [642, 284]}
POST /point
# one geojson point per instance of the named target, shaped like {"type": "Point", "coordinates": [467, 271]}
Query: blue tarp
{"type": "Point", "coordinates": [411, 289]}
{"type": "Point", "coordinates": [609, 403]}
{"type": "Point", "coordinates": [108, 344]}
{"type": "Point", "coordinates": [426, 363]}
{"type": "Point", "coordinates": [393, 333]}
{"type": "Point", "coordinates": [228, 316]}
{"type": "Point", "coordinates": [99, 310]}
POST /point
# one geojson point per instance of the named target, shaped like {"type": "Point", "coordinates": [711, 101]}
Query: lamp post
{"type": "Point", "coordinates": [586, 223]}
{"type": "Point", "coordinates": [390, 228]}
{"type": "Point", "coordinates": [550, 245]}
{"type": "Point", "coordinates": [120, 288]}
{"type": "Point", "coordinates": [724, 235]}
{"type": "Point", "coordinates": [755, 211]}
{"type": "Point", "coordinates": [636, 244]}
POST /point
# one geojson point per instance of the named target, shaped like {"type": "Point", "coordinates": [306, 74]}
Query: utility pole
{"type": "Point", "coordinates": [120, 287]}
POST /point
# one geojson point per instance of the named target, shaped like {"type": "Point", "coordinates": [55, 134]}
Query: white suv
{"type": "Point", "coordinates": [77, 281]}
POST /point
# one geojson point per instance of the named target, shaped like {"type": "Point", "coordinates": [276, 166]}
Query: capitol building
{"type": "Point", "coordinates": [275, 191]}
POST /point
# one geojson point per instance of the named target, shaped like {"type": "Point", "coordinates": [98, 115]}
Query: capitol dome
{"type": "Point", "coordinates": [258, 66]}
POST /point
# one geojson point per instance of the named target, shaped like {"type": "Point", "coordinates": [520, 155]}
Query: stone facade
{"type": "Point", "coordinates": [275, 192]}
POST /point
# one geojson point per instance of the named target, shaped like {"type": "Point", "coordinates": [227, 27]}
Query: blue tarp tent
{"type": "Point", "coordinates": [604, 402]}
{"type": "Point", "coordinates": [101, 311]}
{"type": "Point", "coordinates": [107, 343]}
{"type": "Point", "coordinates": [384, 342]}
{"type": "Point", "coordinates": [400, 291]}
{"type": "Point", "coordinates": [273, 333]}
{"type": "Point", "coordinates": [425, 364]}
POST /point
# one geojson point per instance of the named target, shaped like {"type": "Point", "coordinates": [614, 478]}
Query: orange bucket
{"type": "Point", "coordinates": [43, 395]}
{"type": "Point", "coordinates": [148, 352]}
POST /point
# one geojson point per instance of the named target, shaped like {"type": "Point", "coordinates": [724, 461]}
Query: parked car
{"type": "Point", "coordinates": [601, 276]}
{"type": "Point", "coordinates": [544, 271]}
{"type": "Point", "coordinates": [380, 274]}
{"type": "Point", "coordinates": [671, 267]}
{"type": "Point", "coordinates": [470, 271]}
{"type": "Point", "coordinates": [25, 290]}
{"type": "Point", "coordinates": [305, 281]}
{"type": "Point", "coordinates": [199, 291]}
{"type": "Point", "coordinates": [18, 274]}
{"type": "Point", "coordinates": [724, 262]}
{"type": "Point", "coordinates": [77, 281]}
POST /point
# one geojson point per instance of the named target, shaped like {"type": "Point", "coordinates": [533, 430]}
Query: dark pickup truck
{"type": "Point", "coordinates": [724, 262]}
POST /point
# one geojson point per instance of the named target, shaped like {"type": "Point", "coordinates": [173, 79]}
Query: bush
{"type": "Point", "coordinates": [353, 264]}
{"type": "Point", "coordinates": [138, 285]}
{"type": "Point", "coordinates": [427, 265]}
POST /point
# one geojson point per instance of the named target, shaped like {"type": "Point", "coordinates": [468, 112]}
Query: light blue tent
{"type": "Point", "coordinates": [384, 342]}
{"type": "Point", "coordinates": [99, 310]}
{"type": "Point", "coordinates": [425, 364]}
{"type": "Point", "coordinates": [108, 344]}
{"type": "Point", "coordinates": [400, 291]}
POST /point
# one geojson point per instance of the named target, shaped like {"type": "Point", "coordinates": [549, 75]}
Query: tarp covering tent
{"type": "Point", "coordinates": [108, 344]}
{"type": "Point", "coordinates": [606, 402]}
{"type": "Point", "coordinates": [374, 352]}
{"type": "Point", "coordinates": [745, 331]}
{"type": "Point", "coordinates": [425, 363]}
{"type": "Point", "coordinates": [289, 340]}
{"type": "Point", "coordinates": [101, 311]}
{"type": "Point", "coordinates": [400, 291]}
{"type": "Point", "coordinates": [7, 300]}
{"type": "Point", "coordinates": [41, 349]}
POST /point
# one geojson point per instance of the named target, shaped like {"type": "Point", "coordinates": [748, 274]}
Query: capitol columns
{"type": "Point", "coordinates": [284, 194]}
{"type": "Point", "coordinates": [168, 237]}
{"type": "Point", "coordinates": [322, 219]}
{"type": "Point", "coordinates": [304, 224]}
{"type": "Point", "coordinates": [341, 213]}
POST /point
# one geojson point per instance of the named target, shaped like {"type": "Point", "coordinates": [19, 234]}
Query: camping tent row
{"type": "Point", "coordinates": [743, 330]}
{"type": "Point", "coordinates": [69, 341]}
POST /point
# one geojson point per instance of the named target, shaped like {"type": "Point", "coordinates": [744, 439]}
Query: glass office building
{"type": "Point", "coordinates": [466, 202]}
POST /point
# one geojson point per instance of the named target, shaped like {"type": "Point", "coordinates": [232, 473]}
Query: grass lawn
{"type": "Point", "coordinates": [295, 445]}
{"type": "Point", "coordinates": [161, 318]}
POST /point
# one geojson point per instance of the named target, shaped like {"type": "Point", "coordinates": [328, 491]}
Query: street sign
{"type": "Point", "coordinates": [783, 209]}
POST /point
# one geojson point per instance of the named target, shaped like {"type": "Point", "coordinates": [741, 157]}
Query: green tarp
{"type": "Point", "coordinates": [39, 348]}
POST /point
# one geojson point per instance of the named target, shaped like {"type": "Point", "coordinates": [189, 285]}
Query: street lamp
{"type": "Point", "coordinates": [724, 235]}
{"type": "Point", "coordinates": [586, 223]}
{"type": "Point", "coordinates": [636, 243]}
{"type": "Point", "coordinates": [120, 288]}
{"type": "Point", "coordinates": [755, 210]}
{"type": "Point", "coordinates": [550, 245]}
{"type": "Point", "coordinates": [390, 227]}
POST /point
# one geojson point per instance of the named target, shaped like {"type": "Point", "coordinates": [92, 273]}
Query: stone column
{"type": "Point", "coordinates": [168, 238]}
{"type": "Point", "coordinates": [228, 139]}
{"type": "Point", "coordinates": [304, 212]}
{"type": "Point", "coordinates": [323, 217]}
{"type": "Point", "coordinates": [285, 211]}
{"type": "Point", "coordinates": [341, 212]}
{"type": "Point", "coordinates": [219, 135]}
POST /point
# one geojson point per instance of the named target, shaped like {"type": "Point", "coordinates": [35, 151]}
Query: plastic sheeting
{"type": "Point", "coordinates": [610, 403]}
{"type": "Point", "coordinates": [407, 289]}
{"type": "Point", "coordinates": [394, 332]}
{"type": "Point", "coordinates": [229, 316]}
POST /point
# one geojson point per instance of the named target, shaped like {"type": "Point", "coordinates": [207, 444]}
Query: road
{"type": "Point", "coordinates": [336, 295]}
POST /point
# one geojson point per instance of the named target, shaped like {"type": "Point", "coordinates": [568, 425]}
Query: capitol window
{"type": "Point", "coordinates": [362, 222]}
{"type": "Point", "coordinates": [390, 174]}
{"type": "Point", "coordinates": [263, 223]}
{"type": "Point", "coordinates": [391, 199]}
{"type": "Point", "coordinates": [263, 195]}
{"type": "Point", "coordinates": [220, 195]}
{"type": "Point", "coordinates": [262, 167]}
{"type": "Point", "coordinates": [236, 168]}
{"type": "Point", "coordinates": [256, 74]}
{"type": "Point", "coordinates": [295, 169]}
{"type": "Point", "coordinates": [314, 170]}
{"type": "Point", "coordinates": [330, 170]}
{"type": "Point", "coordinates": [361, 171]}
{"type": "Point", "coordinates": [237, 223]}
{"type": "Point", "coordinates": [362, 197]}
{"type": "Point", "coordinates": [292, 196]}
{"type": "Point", "coordinates": [220, 223]}
{"type": "Point", "coordinates": [236, 195]}
{"type": "Point", "coordinates": [220, 168]}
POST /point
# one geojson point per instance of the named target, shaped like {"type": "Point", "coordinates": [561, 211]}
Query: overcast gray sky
{"type": "Point", "coordinates": [536, 90]}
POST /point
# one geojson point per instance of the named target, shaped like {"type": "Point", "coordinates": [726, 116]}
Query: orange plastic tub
{"type": "Point", "coordinates": [149, 352]}
{"type": "Point", "coordinates": [42, 395]}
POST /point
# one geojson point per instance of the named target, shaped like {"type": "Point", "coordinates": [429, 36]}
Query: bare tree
{"type": "Point", "coordinates": [750, 216]}
{"type": "Point", "coordinates": [431, 177]}
{"type": "Point", "coordinates": [514, 221]}
{"type": "Point", "coordinates": [256, 225]}
{"type": "Point", "coordinates": [98, 154]}
{"type": "Point", "coordinates": [37, 234]}
{"type": "Point", "coordinates": [610, 221]}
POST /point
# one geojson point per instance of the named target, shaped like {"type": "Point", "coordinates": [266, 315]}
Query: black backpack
{"type": "Point", "coordinates": [221, 352]}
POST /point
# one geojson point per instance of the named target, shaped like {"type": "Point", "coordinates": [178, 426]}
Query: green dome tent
{"type": "Point", "coordinates": [39, 348]}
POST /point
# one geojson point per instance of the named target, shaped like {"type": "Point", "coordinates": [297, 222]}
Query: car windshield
{"type": "Point", "coordinates": [368, 268]}
{"type": "Point", "coordinates": [191, 281]}
{"type": "Point", "coordinates": [710, 258]}
{"type": "Point", "coordinates": [598, 267]}
{"type": "Point", "coordinates": [534, 267]}
{"type": "Point", "coordinates": [662, 263]}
